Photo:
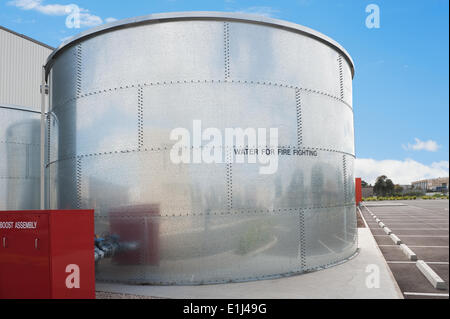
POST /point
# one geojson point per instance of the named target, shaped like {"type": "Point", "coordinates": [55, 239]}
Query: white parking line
{"type": "Point", "coordinates": [410, 218]}
{"type": "Point", "coordinates": [423, 219]}
{"type": "Point", "coordinates": [420, 228]}
{"type": "Point", "coordinates": [415, 246]}
{"type": "Point", "coordinates": [412, 214]}
{"type": "Point", "coordinates": [424, 294]}
{"type": "Point", "coordinates": [414, 222]}
{"type": "Point", "coordinates": [431, 210]}
{"type": "Point", "coordinates": [409, 224]}
{"type": "Point", "coordinates": [413, 262]}
{"type": "Point", "coordinates": [429, 246]}
{"type": "Point", "coordinates": [409, 213]}
{"type": "Point", "coordinates": [413, 218]}
{"type": "Point", "coordinates": [384, 211]}
{"type": "Point", "coordinates": [430, 215]}
{"type": "Point", "coordinates": [433, 236]}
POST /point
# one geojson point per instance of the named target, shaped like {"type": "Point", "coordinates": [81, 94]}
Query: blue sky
{"type": "Point", "coordinates": [401, 95]}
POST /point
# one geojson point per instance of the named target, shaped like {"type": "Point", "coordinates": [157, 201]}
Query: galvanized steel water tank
{"type": "Point", "coordinates": [117, 92]}
{"type": "Point", "coordinates": [19, 157]}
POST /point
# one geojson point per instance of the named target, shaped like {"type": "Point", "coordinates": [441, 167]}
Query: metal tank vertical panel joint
{"type": "Point", "coordinates": [117, 92]}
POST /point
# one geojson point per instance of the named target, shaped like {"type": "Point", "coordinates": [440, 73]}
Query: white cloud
{"type": "Point", "coordinates": [401, 172]}
{"type": "Point", "coordinates": [89, 20]}
{"type": "Point", "coordinates": [86, 18]}
{"type": "Point", "coordinates": [263, 11]}
{"type": "Point", "coordinates": [54, 9]}
{"type": "Point", "coordinates": [25, 4]}
{"type": "Point", "coordinates": [429, 145]}
{"type": "Point", "coordinates": [108, 20]}
{"type": "Point", "coordinates": [48, 9]}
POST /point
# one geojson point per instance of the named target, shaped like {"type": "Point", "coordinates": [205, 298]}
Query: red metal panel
{"type": "Point", "coordinates": [358, 190]}
{"type": "Point", "coordinates": [72, 251]}
{"type": "Point", "coordinates": [24, 256]}
{"type": "Point", "coordinates": [36, 248]}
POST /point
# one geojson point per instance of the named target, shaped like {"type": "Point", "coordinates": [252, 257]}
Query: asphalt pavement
{"type": "Point", "coordinates": [423, 225]}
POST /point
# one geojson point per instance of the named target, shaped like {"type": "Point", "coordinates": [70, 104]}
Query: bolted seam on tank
{"type": "Point", "coordinates": [161, 149]}
{"type": "Point", "coordinates": [175, 82]}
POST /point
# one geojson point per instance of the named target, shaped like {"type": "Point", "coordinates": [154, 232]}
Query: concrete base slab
{"type": "Point", "coordinates": [347, 280]}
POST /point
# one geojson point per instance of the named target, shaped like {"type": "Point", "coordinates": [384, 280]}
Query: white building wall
{"type": "Point", "coordinates": [21, 61]}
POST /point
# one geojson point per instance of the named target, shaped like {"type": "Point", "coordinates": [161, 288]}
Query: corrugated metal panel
{"type": "Point", "coordinates": [21, 62]}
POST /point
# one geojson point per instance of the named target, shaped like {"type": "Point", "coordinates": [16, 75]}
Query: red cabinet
{"type": "Point", "coordinates": [358, 190]}
{"type": "Point", "coordinates": [47, 254]}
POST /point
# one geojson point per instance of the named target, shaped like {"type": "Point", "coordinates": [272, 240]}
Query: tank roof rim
{"type": "Point", "coordinates": [19, 108]}
{"type": "Point", "coordinates": [199, 15]}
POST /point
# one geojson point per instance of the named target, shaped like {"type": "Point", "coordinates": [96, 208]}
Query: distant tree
{"type": "Point", "coordinates": [398, 190]}
{"type": "Point", "coordinates": [379, 188]}
{"type": "Point", "coordinates": [389, 187]}
{"type": "Point", "coordinates": [383, 186]}
{"type": "Point", "coordinates": [364, 183]}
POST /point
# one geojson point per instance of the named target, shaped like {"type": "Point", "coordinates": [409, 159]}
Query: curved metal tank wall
{"type": "Point", "coordinates": [19, 158]}
{"type": "Point", "coordinates": [118, 91]}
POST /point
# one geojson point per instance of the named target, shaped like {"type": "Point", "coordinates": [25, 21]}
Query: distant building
{"type": "Point", "coordinates": [406, 188]}
{"type": "Point", "coordinates": [21, 61]}
{"type": "Point", "coordinates": [439, 184]}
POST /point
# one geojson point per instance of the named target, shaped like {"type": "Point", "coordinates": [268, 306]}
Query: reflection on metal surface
{"type": "Point", "coordinates": [113, 108]}
{"type": "Point", "coordinates": [19, 158]}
